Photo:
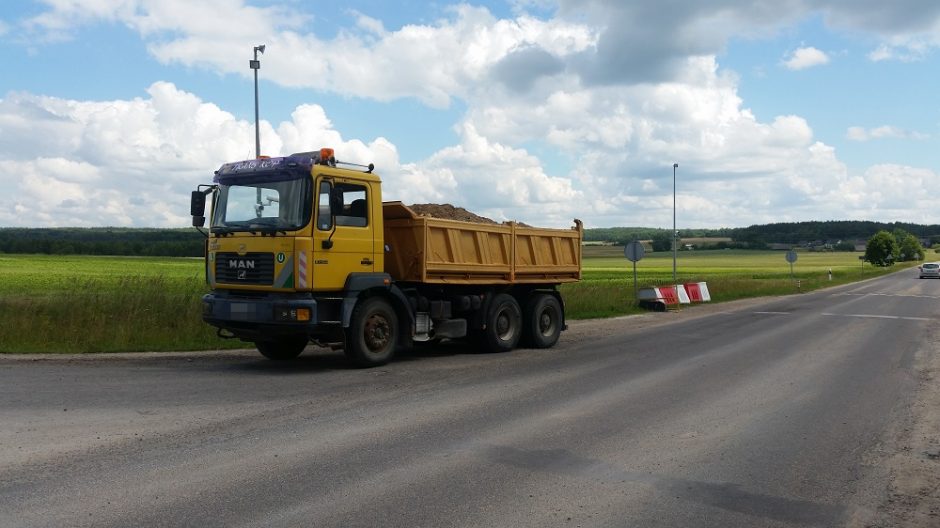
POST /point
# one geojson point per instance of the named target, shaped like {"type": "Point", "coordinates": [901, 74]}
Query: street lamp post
{"type": "Point", "coordinates": [675, 234]}
{"type": "Point", "coordinates": [256, 65]}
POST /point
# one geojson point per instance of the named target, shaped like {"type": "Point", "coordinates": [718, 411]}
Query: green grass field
{"type": "Point", "coordinates": [102, 304]}
{"type": "Point", "coordinates": [607, 288]}
{"type": "Point", "coordinates": [108, 304]}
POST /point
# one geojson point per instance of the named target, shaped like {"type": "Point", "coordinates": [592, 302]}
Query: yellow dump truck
{"type": "Point", "coordinates": [301, 248]}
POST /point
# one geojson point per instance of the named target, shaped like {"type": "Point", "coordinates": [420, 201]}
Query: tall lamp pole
{"type": "Point", "coordinates": [256, 65]}
{"type": "Point", "coordinates": [675, 234]}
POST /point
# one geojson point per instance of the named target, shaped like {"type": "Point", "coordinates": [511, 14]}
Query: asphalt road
{"type": "Point", "coordinates": [758, 414]}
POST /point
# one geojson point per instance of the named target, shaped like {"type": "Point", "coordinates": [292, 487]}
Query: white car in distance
{"type": "Point", "coordinates": [930, 270]}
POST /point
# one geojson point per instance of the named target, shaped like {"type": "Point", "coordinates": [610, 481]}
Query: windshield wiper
{"type": "Point", "coordinates": [221, 230]}
{"type": "Point", "coordinates": [229, 228]}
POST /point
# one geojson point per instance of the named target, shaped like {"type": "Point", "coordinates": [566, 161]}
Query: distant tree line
{"type": "Point", "coordinates": [840, 234]}
{"type": "Point", "coordinates": [188, 242]}
{"type": "Point", "coordinates": [800, 232]}
{"type": "Point", "coordinates": [103, 241]}
{"type": "Point", "coordinates": [625, 235]}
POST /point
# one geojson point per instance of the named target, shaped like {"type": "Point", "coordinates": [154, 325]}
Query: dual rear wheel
{"type": "Point", "coordinates": [543, 321]}
{"type": "Point", "coordinates": [508, 325]}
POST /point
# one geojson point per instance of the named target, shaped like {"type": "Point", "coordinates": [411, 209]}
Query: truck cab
{"type": "Point", "coordinates": [289, 239]}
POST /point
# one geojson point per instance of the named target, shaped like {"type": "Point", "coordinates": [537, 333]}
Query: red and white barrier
{"type": "Point", "coordinates": [703, 291]}
{"type": "Point", "coordinates": [683, 294]}
{"type": "Point", "coordinates": [662, 297]}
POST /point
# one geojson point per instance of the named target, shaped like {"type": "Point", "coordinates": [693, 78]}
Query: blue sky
{"type": "Point", "coordinates": [535, 110]}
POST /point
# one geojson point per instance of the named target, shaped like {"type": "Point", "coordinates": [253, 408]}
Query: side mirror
{"type": "Point", "coordinates": [197, 206]}
{"type": "Point", "coordinates": [199, 221]}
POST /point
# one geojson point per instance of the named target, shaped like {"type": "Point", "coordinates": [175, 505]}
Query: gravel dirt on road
{"type": "Point", "coordinates": [911, 453]}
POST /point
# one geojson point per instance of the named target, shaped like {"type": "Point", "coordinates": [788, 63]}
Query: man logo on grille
{"type": "Point", "coordinates": [241, 264]}
{"type": "Point", "coordinates": [242, 274]}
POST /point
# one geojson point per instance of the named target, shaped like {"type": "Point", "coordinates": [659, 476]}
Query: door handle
{"type": "Point", "coordinates": [366, 261]}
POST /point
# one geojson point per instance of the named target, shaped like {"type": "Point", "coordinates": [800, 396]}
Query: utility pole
{"type": "Point", "coordinates": [675, 234]}
{"type": "Point", "coordinates": [256, 65]}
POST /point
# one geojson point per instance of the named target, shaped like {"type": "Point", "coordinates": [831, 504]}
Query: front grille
{"type": "Point", "coordinates": [251, 268]}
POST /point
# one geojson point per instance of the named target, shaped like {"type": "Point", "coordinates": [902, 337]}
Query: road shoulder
{"type": "Point", "coordinates": [911, 451]}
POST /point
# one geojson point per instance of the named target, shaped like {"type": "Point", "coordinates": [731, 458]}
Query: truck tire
{"type": "Point", "coordinates": [542, 324]}
{"type": "Point", "coordinates": [503, 325]}
{"type": "Point", "coordinates": [372, 333]}
{"type": "Point", "coordinates": [282, 349]}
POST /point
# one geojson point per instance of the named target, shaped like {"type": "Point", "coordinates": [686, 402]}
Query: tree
{"type": "Point", "coordinates": [883, 249]}
{"type": "Point", "coordinates": [911, 249]}
{"type": "Point", "coordinates": [661, 241]}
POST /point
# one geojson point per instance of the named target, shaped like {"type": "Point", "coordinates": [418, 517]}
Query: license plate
{"type": "Point", "coordinates": [242, 311]}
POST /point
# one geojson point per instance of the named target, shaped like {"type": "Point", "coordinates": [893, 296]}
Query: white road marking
{"type": "Point", "coordinates": [773, 313]}
{"type": "Point", "coordinates": [869, 316]}
{"type": "Point", "coordinates": [885, 295]}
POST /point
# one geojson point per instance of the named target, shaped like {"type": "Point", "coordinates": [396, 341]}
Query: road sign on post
{"type": "Point", "coordinates": [634, 252]}
{"type": "Point", "coordinates": [791, 258]}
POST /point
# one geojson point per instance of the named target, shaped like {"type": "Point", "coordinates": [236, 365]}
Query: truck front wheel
{"type": "Point", "coordinates": [542, 321]}
{"type": "Point", "coordinates": [503, 324]}
{"type": "Point", "coordinates": [282, 349]}
{"type": "Point", "coordinates": [372, 333]}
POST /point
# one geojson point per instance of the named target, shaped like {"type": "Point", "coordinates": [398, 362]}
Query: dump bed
{"type": "Point", "coordinates": [438, 251]}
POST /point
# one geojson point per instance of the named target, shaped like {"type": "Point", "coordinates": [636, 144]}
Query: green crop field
{"type": "Point", "coordinates": [83, 304]}
{"type": "Point", "coordinates": [54, 303]}
{"type": "Point", "coordinates": [607, 288]}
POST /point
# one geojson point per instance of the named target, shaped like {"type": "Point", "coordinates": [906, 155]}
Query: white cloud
{"type": "Point", "coordinates": [622, 142]}
{"type": "Point", "coordinates": [910, 50]}
{"type": "Point", "coordinates": [889, 192]}
{"type": "Point", "coordinates": [132, 163]}
{"type": "Point", "coordinates": [803, 58]}
{"type": "Point", "coordinates": [432, 62]}
{"type": "Point", "coordinates": [617, 90]}
{"type": "Point", "coordinates": [489, 178]}
{"type": "Point", "coordinates": [857, 133]}
{"type": "Point", "coordinates": [596, 41]}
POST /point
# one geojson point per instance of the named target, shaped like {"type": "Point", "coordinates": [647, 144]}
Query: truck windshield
{"type": "Point", "coordinates": [270, 202]}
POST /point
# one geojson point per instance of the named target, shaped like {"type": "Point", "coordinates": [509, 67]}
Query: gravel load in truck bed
{"type": "Point", "coordinates": [449, 212]}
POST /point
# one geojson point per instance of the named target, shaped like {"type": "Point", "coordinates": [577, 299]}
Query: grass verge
{"type": "Point", "coordinates": [79, 304]}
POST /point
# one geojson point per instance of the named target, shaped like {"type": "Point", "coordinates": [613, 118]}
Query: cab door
{"type": "Point", "coordinates": [343, 241]}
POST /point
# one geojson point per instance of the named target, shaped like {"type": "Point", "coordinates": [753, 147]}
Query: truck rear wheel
{"type": "Point", "coordinates": [542, 321]}
{"type": "Point", "coordinates": [372, 333]}
{"type": "Point", "coordinates": [282, 349]}
{"type": "Point", "coordinates": [503, 324]}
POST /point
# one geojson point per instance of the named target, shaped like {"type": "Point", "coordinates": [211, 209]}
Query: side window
{"type": "Point", "coordinates": [324, 219]}
{"type": "Point", "coordinates": [355, 211]}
